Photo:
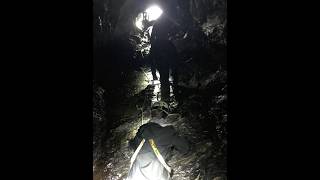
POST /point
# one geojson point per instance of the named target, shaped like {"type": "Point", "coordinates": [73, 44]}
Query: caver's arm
{"type": "Point", "coordinates": [134, 143]}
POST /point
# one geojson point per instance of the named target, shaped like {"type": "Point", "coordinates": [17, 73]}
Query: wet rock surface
{"type": "Point", "coordinates": [200, 117]}
{"type": "Point", "coordinates": [99, 118]}
{"type": "Point", "coordinates": [123, 101]}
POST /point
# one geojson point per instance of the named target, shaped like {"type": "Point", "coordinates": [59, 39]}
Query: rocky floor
{"type": "Point", "coordinates": [190, 117]}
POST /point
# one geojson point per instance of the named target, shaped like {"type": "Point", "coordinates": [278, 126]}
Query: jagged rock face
{"type": "Point", "coordinates": [105, 17]}
{"type": "Point", "coordinates": [199, 117]}
{"type": "Point", "coordinates": [202, 99]}
{"type": "Point", "coordinates": [202, 9]}
{"type": "Point", "coordinates": [116, 17]}
{"type": "Point", "coordinates": [115, 29]}
{"type": "Point", "coordinates": [99, 118]}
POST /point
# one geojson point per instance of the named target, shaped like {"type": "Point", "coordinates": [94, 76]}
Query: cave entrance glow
{"type": "Point", "coordinates": [152, 13]}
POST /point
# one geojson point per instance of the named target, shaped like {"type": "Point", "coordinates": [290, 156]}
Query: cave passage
{"type": "Point", "coordinates": [129, 82]}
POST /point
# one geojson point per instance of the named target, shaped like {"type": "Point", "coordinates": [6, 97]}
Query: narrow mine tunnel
{"type": "Point", "coordinates": [165, 55]}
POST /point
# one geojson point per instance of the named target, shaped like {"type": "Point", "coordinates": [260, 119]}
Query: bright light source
{"type": "Point", "coordinates": [153, 13]}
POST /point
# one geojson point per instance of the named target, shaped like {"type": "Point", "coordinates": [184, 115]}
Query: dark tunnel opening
{"type": "Point", "coordinates": [175, 64]}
